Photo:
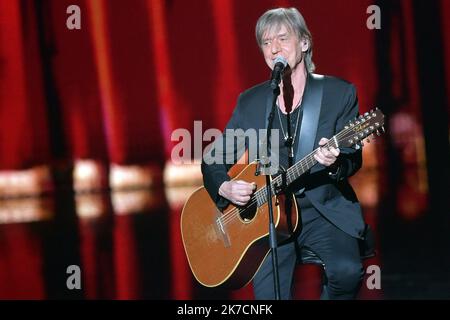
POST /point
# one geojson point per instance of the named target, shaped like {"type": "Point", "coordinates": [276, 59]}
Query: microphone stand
{"type": "Point", "coordinates": [272, 230]}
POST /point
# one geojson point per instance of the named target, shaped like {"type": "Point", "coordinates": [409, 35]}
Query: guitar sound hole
{"type": "Point", "coordinates": [248, 213]}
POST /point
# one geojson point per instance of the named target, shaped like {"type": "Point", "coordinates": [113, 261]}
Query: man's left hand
{"type": "Point", "coordinates": [326, 156]}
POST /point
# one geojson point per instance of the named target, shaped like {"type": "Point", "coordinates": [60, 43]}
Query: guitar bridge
{"type": "Point", "coordinates": [220, 224]}
{"type": "Point", "coordinates": [220, 228]}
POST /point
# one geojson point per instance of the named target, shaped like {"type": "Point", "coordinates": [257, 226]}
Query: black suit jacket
{"type": "Point", "coordinates": [330, 193]}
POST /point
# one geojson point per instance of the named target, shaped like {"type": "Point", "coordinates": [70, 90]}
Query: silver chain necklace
{"type": "Point", "coordinates": [296, 125]}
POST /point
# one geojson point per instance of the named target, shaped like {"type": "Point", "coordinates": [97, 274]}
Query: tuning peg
{"type": "Point", "coordinates": [378, 132]}
{"type": "Point", "coordinates": [357, 146]}
{"type": "Point", "coordinates": [382, 129]}
{"type": "Point", "coordinates": [362, 143]}
{"type": "Point", "coordinates": [373, 136]}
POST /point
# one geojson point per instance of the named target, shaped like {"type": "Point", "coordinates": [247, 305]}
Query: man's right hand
{"type": "Point", "coordinates": [238, 192]}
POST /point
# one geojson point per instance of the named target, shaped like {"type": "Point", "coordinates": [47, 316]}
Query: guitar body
{"type": "Point", "coordinates": [229, 253]}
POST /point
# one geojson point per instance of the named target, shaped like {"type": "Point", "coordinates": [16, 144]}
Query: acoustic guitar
{"type": "Point", "coordinates": [226, 248]}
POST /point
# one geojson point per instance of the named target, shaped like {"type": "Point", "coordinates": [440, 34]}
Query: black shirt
{"type": "Point", "coordinates": [308, 212]}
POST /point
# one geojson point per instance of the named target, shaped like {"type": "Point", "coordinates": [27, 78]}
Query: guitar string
{"type": "Point", "coordinates": [230, 215]}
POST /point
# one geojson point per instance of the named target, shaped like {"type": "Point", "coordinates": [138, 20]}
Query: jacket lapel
{"type": "Point", "coordinates": [311, 104]}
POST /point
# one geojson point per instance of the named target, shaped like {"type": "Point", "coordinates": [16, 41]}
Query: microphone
{"type": "Point", "coordinates": [279, 64]}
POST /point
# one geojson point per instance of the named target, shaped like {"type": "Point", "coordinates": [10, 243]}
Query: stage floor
{"type": "Point", "coordinates": [127, 245]}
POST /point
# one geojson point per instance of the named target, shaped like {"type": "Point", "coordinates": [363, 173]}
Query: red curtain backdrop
{"type": "Point", "coordinates": [137, 70]}
{"type": "Point", "coordinates": [76, 77]}
{"type": "Point", "coordinates": [24, 139]}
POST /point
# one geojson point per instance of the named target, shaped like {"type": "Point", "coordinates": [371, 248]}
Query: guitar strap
{"type": "Point", "coordinates": [311, 104]}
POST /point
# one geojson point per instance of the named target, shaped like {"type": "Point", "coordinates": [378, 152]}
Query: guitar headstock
{"type": "Point", "coordinates": [370, 123]}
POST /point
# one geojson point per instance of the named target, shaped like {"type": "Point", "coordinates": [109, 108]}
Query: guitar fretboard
{"type": "Point", "coordinates": [293, 173]}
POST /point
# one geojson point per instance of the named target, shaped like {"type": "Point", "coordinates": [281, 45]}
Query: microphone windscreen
{"type": "Point", "coordinates": [280, 59]}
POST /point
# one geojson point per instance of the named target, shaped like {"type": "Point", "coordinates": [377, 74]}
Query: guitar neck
{"type": "Point", "coordinates": [294, 172]}
{"type": "Point", "coordinates": [303, 166]}
{"type": "Point", "coordinates": [352, 134]}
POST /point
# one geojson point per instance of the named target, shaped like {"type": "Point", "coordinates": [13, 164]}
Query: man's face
{"type": "Point", "coordinates": [285, 43]}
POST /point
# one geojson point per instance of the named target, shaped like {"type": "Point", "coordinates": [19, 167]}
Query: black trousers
{"type": "Point", "coordinates": [338, 250]}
